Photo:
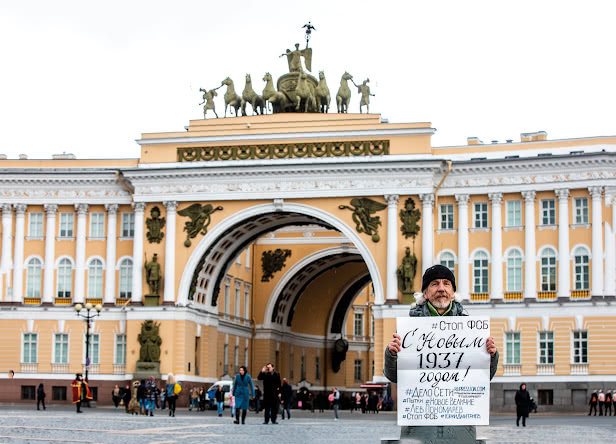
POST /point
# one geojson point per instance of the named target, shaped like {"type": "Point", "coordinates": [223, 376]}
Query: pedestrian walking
{"type": "Point", "coordinates": [220, 400]}
{"type": "Point", "coordinates": [194, 398]}
{"type": "Point", "coordinates": [601, 398]}
{"type": "Point", "coordinates": [151, 395]}
{"type": "Point", "coordinates": [357, 401]}
{"type": "Point", "coordinates": [126, 395]}
{"type": "Point", "coordinates": [141, 396]}
{"type": "Point", "coordinates": [40, 396]}
{"type": "Point", "coordinates": [271, 387]}
{"type": "Point", "coordinates": [116, 396]}
{"type": "Point", "coordinates": [173, 389]}
{"type": "Point", "coordinates": [243, 390]}
{"type": "Point", "coordinates": [522, 405]}
{"type": "Point", "coordinates": [257, 399]}
{"type": "Point", "coordinates": [163, 396]}
{"type": "Point", "coordinates": [608, 404]}
{"type": "Point", "coordinates": [594, 399]}
{"type": "Point", "coordinates": [335, 399]}
{"type": "Point", "coordinates": [202, 393]}
{"type": "Point", "coordinates": [286, 395]}
{"type": "Point", "coordinates": [373, 402]}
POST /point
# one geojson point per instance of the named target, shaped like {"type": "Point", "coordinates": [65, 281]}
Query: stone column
{"type": "Point", "coordinates": [427, 232]}
{"type": "Point", "coordinates": [597, 242]}
{"type": "Point", "coordinates": [496, 275]}
{"type": "Point", "coordinates": [564, 278]}
{"type": "Point", "coordinates": [50, 253]}
{"type": "Point", "coordinates": [610, 250]}
{"type": "Point", "coordinates": [530, 252]}
{"type": "Point", "coordinates": [137, 290]}
{"type": "Point", "coordinates": [80, 253]}
{"type": "Point", "coordinates": [18, 268]}
{"type": "Point", "coordinates": [463, 286]}
{"type": "Point", "coordinates": [169, 277]}
{"type": "Point", "coordinates": [392, 247]}
{"type": "Point", "coordinates": [7, 229]}
{"type": "Point", "coordinates": [110, 271]}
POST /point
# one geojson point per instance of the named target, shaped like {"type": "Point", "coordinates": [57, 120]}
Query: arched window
{"type": "Point", "coordinates": [95, 279]}
{"type": "Point", "coordinates": [514, 271]}
{"type": "Point", "coordinates": [126, 278]}
{"type": "Point", "coordinates": [548, 270]}
{"type": "Point", "coordinates": [65, 279]}
{"type": "Point", "coordinates": [448, 261]}
{"type": "Point", "coordinates": [581, 260]}
{"type": "Point", "coordinates": [480, 272]}
{"type": "Point", "coordinates": [33, 278]}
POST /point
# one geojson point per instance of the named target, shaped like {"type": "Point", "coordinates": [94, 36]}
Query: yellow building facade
{"type": "Point", "coordinates": [527, 228]}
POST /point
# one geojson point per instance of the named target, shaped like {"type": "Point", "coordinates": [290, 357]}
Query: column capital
{"type": "Point", "coordinates": [496, 198]}
{"type": "Point", "coordinates": [529, 196]}
{"type": "Point", "coordinates": [427, 199]}
{"type": "Point", "coordinates": [20, 209]}
{"type": "Point", "coordinates": [139, 206]}
{"type": "Point", "coordinates": [392, 199]}
{"type": "Point", "coordinates": [462, 199]}
{"type": "Point", "coordinates": [563, 194]}
{"type": "Point", "coordinates": [171, 205]}
{"type": "Point", "coordinates": [595, 192]}
{"type": "Point", "coordinates": [51, 209]}
{"type": "Point", "coordinates": [82, 209]}
{"type": "Point", "coordinates": [7, 208]}
{"type": "Point", "coordinates": [112, 208]}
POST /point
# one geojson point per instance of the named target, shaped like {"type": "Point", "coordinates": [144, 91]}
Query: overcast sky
{"type": "Point", "coordinates": [89, 77]}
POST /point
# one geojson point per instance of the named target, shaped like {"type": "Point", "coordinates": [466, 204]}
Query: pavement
{"type": "Point", "coordinates": [60, 424]}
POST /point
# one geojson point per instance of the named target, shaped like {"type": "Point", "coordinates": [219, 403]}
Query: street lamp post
{"type": "Point", "coordinates": [96, 311]}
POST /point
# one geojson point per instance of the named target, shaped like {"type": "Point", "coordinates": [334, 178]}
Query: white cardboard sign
{"type": "Point", "coordinates": [443, 371]}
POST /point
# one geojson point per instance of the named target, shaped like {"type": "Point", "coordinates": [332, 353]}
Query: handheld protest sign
{"type": "Point", "coordinates": [443, 371]}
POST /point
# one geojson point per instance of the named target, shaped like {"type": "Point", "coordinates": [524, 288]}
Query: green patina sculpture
{"type": "Point", "coordinates": [153, 275]}
{"type": "Point", "coordinates": [322, 94]}
{"type": "Point", "coordinates": [155, 224]}
{"type": "Point", "coordinates": [273, 261]}
{"type": "Point", "coordinates": [208, 99]}
{"type": "Point", "coordinates": [269, 91]}
{"type": "Point", "coordinates": [364, 90]}
{"type": "Point", "coordinates": [409, 217]}
{"type": "Point", "coordinates": [294, 58]}
{"type": "Point", "coordinates": [343, 97]}
{"type": "Point", "coordinates": [250, 96]}
{"type": "Point", "coordinates": [406, 275]}
{"type": "Point", "coordinates": [362, 216]}
{"type": "Point", "coordinates": [231, 97]}
{"type": "Point", "coordinates": [199, 220]}
{"type": "Point", "coordinates": [150, 342]}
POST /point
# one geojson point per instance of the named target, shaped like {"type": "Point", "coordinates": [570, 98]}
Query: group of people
{"type": "Point", "coordinates": [367, 403]}
{"type": "Point", "coordinates": [604, 400]}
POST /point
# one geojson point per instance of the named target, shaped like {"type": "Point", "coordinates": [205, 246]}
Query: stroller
{"type": "Point", "coordinates": [533, 406]}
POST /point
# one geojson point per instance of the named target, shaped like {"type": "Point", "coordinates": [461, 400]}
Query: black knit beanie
{"type": "Point", "coordinates": [437, 272]}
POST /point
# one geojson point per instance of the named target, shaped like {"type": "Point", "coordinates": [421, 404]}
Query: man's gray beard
{"type": "Point", "coordinates": [439, 303]}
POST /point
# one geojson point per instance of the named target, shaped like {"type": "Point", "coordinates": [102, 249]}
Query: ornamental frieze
{"type": "Point", "coordinates": [285, 151]}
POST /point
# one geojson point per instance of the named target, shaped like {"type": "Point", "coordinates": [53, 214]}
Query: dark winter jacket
{"type": "Point", "coordinates": [390, 369]}
{"type": "Point", "coordinates": [522, 402]}
{"type": "Point", "coordinates": [271, 384]}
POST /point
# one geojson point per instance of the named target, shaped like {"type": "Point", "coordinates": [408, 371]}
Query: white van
{"type": "Point", "coordinates": [227, 388]}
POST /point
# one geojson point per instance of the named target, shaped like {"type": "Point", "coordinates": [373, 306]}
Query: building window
{"type": "Point", "coordinates": [29, 348]}
{"type": "Point", "coordinates": [548, 270]}
{"type": "Point", "coordinates": [236, 358]}
{"type": "Point", "coordinates": [60, 345]}
{"type": "Point", "coordinates": [446, 217]}
{"type": "Point", "coordinates": [580, 347]}
{"type": "Point", "coordinates": [95, 279]}
{"type": "Point", "coordinates": [227, 308]}
{"type": "Point", "coordinates": [33, 278]}
{"type": "Point", "coordinates": [58, 393]}
{"type": "Point", "coordinates": [480, 272]}
{"type": "Point", "coordinates": [28, 392]}
{"type": "Point", "coordinates": [581, 210]}
{"type": "Point", "coordinates": [448, 261]}
{"type": "Point", "coordinates": [65, 278]}
{"type": "Point", "coordinates": [546, 397]}
{"type": "Point", "coordinates": [548, 212]}
{"type": "Point", "coordinates": [36, 225]}
{"type": "Point", "coordinates": [126, 278]}
{"type": "Point", "coordinates": [514, 213]}
{"type": "Point", "coordinates": [94, 348]}
{"type": "Point", "coordinates": [291, 359]}
{"type": "Point", "coordinates": [512, 347]}
{"type": "Point", "coordinates": [248, 257]}
{"type": "Point", "coordinates": [514, 271]}
{"type": "Point", "coordinates": [546, 347]}
{"type": "Point", "coordinates": [582, 279]}
{"type": "Point", "coordinates": [302, 368]}
{"type": "Point", "coordinates": [357, 370]}
{"type": "Point", "coordinates": [481, 215]}
{"type": "Point", "coordinates": [246, 356]}
{"type": "Point", "coordinates": [97, 224]}
{"type": "Point", "coordinates": [120, 355]}
{"type": "Point", "coordinates": [128, 224]}
{"type": "Point", "coordinates": [246, 302]}
{"type": "Point", "coordinates": [66, 224]}
{"type": "Point", "coordinates": [225, 359]}
{"type": "Point", "coordinates": [317, 368]}
{"type": "Point", "coordinates": [358, 324]}
{"type": "Point", "coordinates": [237, 299]}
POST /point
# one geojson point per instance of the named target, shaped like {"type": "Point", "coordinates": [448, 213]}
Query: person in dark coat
{"type": "Point", "coordinates": [141, 396]}
{"type": "Point", "coordinates": [243, 390]}
{"type": "Point", "coordinates": [271, 387]}
{"type": "Point", "coordinates": [257, 399]}
{"type": "Point", "coordinates": [608, 404]}
{"type": "Point", "coordinates": [594, 399]}
{"type": "Point", "coordinates": [286, 395]}
{"type": "Point", "coordinates": [126, 395]}
{"type": "Point", "coordinates": [40, 397]}
{"type": "Point", "coordinates": [522, 403]}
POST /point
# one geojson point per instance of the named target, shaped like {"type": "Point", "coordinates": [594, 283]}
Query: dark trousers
{"type": "Point", "coordinates": [286, 407]}
{"type": "Point", "coordinates": [270, 407]}
{"type": "Point", "coordinates": [38, 402]}
{"type": "Point", "coordinates": [171, 401]}
{"type": "Point", "coordinates": [517, 421]}
{"type": "Point", "coordinates": [78, 406]}
{"type": "Point", "coordinates": [608, 408]}
{"type": "Point", "coordinates": [593, 406]}
{"type": "Point", "coordinates": [601, 404]}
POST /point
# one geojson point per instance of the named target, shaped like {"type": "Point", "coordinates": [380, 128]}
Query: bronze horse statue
{"type": "Point", "coordinates": [343, 98]}
{"type": "Point", "coordinates": [268, 91]}
{"type": "Point", "coordinates": [322, 94]}
{"type": "Point", "coordinates": [250, 96]}
{"type": "Point", "coordinates": [231, 97]}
